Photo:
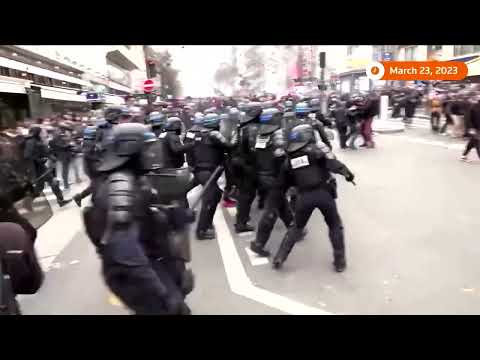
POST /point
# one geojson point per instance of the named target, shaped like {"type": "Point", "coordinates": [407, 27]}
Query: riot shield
{"type": "Point", "coordinates": [36, 210]}
{"type": "Point", "coordinates": [15, 175]}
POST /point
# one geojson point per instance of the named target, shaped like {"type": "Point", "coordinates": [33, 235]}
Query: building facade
{"type": "Point", "coordinates": [38, 80]}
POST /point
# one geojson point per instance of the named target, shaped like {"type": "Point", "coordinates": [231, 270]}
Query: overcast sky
{"type": "Point", "coordinates": [198, 63]}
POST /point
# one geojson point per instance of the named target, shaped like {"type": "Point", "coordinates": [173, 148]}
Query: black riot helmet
{"type": "Point", "coordinates": [299, 137]}
{"type": "Point", "coordinates": [270, 120]}
{"type": "Point", "coordinates": [173, 124]}
{"type": "Point", "coordinates": [128, 141]}
{"type": "Point", "coordinates": [114, 113]}
{"type": "Point", "coordinates": [211, 121]}
{"type": "Point", "coordinates": [252, 113]}
{"type": "Point", "coordinates": [157, 119]}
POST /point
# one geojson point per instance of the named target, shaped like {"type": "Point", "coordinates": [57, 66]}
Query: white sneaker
{"type": "Point", "coordinates": [464, 158]}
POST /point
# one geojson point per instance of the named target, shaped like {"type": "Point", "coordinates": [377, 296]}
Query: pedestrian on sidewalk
{"type": "Point", "coordinates": [457, 110]}
{"type": "Point", "coordinates": [446, 109]}
{"type": "Point", "coordinates": [412, 101]}
{"type": "Point", "coordinates": [372, 110]}
{"type": "Point", "coordinates": [474, 130]}
{"type": "Point", "coordinates": [435, 112]}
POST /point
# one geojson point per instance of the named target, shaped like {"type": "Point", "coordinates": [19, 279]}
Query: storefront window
{"type": "Point", "coordinates": [465, 49]}
{"type": "Point", "coordinates": [410, 53]}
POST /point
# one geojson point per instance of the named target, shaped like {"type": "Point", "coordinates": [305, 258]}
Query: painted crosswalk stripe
{"type": "Point", "coordinates": [256, 260]}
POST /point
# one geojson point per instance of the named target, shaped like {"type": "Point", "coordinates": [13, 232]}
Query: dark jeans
{"type": "Point", "coordinates": [435, 120]}
{"type": "Point", "coordinates": [210, 200]}
{"type": "Point", "coordinates": [276, 205]}
{"type": "Point", "coordinates": [67, 162]}
{"type": "Point", "coordinates": [307, 202]}
{"type": "Point", "coordinates": [473, 142]}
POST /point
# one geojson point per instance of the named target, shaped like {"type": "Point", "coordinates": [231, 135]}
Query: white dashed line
{"type": "Point", "coordinates": [241, 285]}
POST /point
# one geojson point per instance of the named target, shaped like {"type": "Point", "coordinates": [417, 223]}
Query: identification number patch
{"type": "Point", "coordinates": [262, 142]}
{"type": "Point", "coordinates": [190, 135]}
{"type": "Point", "coordinates": [299, 162]}
{"type": "Point", "coordinates": [162, 135]}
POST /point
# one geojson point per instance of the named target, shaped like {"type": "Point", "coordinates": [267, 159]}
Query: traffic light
{"type": "Point", "coordinates": [322, 59]}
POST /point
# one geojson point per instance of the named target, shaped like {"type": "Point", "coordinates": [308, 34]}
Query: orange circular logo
{"type": "Point", "coordinates": [375, 70]}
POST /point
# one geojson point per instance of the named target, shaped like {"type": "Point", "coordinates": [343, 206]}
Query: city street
{"type": "Point", "coordinates": [411, 235]}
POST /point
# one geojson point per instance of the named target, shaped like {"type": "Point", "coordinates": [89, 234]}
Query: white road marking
{"type": "Point", "coordinates": [241, 285]}
{"type": "Point", "coordinates": [438, 143]}
{"type": "Point", "coordinates": [256, 260]}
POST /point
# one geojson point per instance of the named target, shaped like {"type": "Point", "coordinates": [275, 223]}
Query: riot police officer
{"type": "Point", "coordinates": [268, 149]}
{"type": "Point", "coordinates": [173, 147]}
{"type": "Point", "coordinates": [191, 135]}
{"type": "Point", "coordinates": [309, 168]}
{"type": "Point", "coordinates": [208, 154]}
{"type": "Point", "coordinates": [156, 120]}
{"type": "Point", "coordinates": [337, 111]}
{"type": "Point", "coordinates": [37, 153]}
{"type": "Point", "coordinates": [243, 164]}
{"type": "Point", "coordinates": [141, 236]}
{"type": "Point", "coordinates": [228, 128]}
{"type": "Point", "coordinates": [113, 115]}
{"type": "Point", "coordinates": [90, 161]}
{"type": "Point", "coordinates": [356, 112]}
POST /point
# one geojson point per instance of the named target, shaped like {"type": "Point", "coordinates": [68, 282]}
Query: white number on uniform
{"type": "Point", "coordinates": [162, 135]}
{"type": "Point", "coordinates": [262, 142]}
{"type": "Point", "coordinates": [190, 135]}
{"type": "Point", "coordinates": [299, 162]}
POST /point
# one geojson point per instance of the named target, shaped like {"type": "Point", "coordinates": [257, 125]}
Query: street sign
{"type": "Point", "coordinates": [148, 86]}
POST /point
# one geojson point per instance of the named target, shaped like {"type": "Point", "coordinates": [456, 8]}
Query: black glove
{"type": "Point", "coordinates": [349, 177]}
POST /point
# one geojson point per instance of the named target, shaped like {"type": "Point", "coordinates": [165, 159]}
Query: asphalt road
{"type": "Point", "coordinates": [411, 234]}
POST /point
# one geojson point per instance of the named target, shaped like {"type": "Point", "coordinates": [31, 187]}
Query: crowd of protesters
{"type": "Point", "coordinates": [455, 112]}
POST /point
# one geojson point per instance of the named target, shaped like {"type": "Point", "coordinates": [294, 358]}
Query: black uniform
{"type": "Point", "coordinates": [208, 154]}
{"type": "Point", "coordinates": [243, 165]}
{"type": "Point", "coordinates": [339, 113]}
{"type": "Point", "coordinates": [474, 129]}
{"type": "Point", "coordinates": [174, 148]}
{"type": "Point", "coordinates": [37, 154]}
{"type": "Point", "coordinates": [191, 135]}
{"type": "Point", "coordinates": [268, 148]}
{"type": "Point", "coordinates": [63, 149]}
{"type": "Point", "coordinates": [90, 161]}
{"type": "Point", "coordinates": [140, 233]}
{"type": "Point", "coordinates": [308, 169]}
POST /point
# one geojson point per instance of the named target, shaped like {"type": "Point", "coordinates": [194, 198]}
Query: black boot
{"type": "Point", "coordinates": [339, 261]}
{"type": "Point", "coordinates": [245, 227]}
{"type": "Point", "coordinates": [208, 234]}
{"type": "Point", "coordinates": [258, 249]}
{"type": "Point", "coordinates": [285, 247]}
{"type": "Point", "coordinates": [78, 200]}
{"type": "Point", "coordinates": [62, 202]}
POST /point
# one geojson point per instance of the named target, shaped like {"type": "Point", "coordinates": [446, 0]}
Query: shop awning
{"type": "Point", "coordinates": [114, 100]}
{"type": "Point", "coordinates": [474, 67]}
{"type": "Point", "coordinates": [61, 94]}
{"type": "Point", "coordinates": [13, 86]}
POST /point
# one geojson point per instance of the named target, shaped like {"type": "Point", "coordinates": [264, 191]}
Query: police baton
{"type": "Point", "coordinates": [213, 179]}
{"type": "Point", "coordinates": [41, 177]}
